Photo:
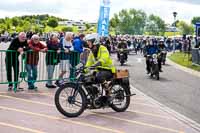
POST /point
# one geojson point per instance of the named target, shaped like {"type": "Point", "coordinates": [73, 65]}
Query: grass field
{"type": "Point", "coordinates": [184, 60]}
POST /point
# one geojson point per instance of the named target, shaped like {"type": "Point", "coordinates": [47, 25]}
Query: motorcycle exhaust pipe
{"type": "Point", "coordinates": [130, 95]}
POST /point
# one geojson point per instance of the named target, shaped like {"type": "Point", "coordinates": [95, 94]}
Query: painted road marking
{"type": "Point", "coordinates": [21, 128]}
{"type": "Point", "coordinates": [29, 101]}
{"type": "Point", "coordinates": [154, 115]}
{"type": "Point", "coordinates": [141, 123]}
{"type": "Point", "coordinates": [105, 116]}
{"type": "Point", "coordinates": [60, 119]}
{"type": "Point", "coordinates": [26, 92]}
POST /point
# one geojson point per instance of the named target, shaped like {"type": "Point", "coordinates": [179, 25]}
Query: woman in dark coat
{"type": "Point", "coordinates": [52, 58]}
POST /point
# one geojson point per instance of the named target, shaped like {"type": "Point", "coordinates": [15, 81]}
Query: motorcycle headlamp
{"type": "Point", "coordinates": [155, 56]}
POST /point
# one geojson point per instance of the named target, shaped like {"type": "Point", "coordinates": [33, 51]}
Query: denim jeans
{"type": "Point", "coordinates": [32, 74]}
{"type": "Point", "coordinates": [50, 71]}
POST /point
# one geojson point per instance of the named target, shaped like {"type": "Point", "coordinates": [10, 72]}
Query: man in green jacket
{"type": "Point", "coordinates": [99, 58]}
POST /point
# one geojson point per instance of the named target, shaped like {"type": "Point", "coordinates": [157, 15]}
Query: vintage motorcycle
{"type": "Point", "coordinates": [72, 98]}
{"type": "Point", "coordinates": [122, 56]}
{"type": "Point", "coordinates": [163, 56]}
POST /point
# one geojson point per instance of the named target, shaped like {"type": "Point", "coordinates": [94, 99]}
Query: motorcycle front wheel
{"type": "Point", "coordinates": [70, 101]}
{"type": "Point", "coordinates": [121, 99]}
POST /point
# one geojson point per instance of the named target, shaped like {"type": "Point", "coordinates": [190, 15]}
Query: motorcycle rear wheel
{"type": "Point", "coordinates": [120, 93]}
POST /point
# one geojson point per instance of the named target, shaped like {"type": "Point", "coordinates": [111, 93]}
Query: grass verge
{"type": "Point", "coordinates": [184, 60]}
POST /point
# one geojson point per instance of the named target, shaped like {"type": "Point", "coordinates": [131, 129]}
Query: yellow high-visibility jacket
{"type": "Point", "coordinates": [103, 56]}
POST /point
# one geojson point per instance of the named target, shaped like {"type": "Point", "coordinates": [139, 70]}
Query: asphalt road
{"type": "Point", "coordinates": [176, 89]}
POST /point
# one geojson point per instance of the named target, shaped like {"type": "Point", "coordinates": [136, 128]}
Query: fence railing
{"type": "Point", "coordinates": [36, 66]}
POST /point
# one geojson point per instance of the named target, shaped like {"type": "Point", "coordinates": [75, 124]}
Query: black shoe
{"type": "Point", "coordinates": [10, 88]}
{"type": "Point", "coordinates": [110, 100]}
{"type": "Point", "coordinates": [50, 86]}
{"type": "Point", "coordinates": [32, 88]}
{"type": "Point", "coordinates": [57, 82]}
{"type": "Point", "coordinates": [20, 89]}
{"type": "Point", "coordinates": [35, 88]}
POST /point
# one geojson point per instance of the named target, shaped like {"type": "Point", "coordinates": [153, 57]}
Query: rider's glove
{"type": "Point", "coordinates": [96, 65]}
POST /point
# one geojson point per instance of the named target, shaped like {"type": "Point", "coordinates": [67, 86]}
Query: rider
{"type": "Point", "coordinates": [99, 58]}
{"type": "Point", "coordinates": [161, 45]}
{"type": "Point", "coordinates": [122, 45]}
{"type": "Point", "coordinates": [150, 49]}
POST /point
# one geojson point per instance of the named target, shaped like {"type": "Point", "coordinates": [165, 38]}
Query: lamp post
{"type": "Point", "coordinates": [174, 46]}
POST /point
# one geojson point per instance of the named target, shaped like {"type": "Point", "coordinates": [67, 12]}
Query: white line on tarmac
{"type": "Point", "coordinates": [21, 128]}
{"type": "Point", "coordinates": [175, 114]}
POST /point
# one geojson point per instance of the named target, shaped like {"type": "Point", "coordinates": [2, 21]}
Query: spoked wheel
{"type": "Point", "coordinates": [121, 101]}
{"type": "Point", "coordinates": [70, 102]}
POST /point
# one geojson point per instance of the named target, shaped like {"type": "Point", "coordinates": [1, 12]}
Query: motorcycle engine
{"type": "Point", "coordinates": [92, 90]}
{"type": "Point", "coordinates": [101, 101]}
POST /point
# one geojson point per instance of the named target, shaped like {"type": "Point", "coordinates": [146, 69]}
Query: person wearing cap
{"type": "Point", "coordinates": [19, 45]}
{"type": "Point", "coordinates": [32, 59]}
{"type": "Point", "coordinates": [99, 58]}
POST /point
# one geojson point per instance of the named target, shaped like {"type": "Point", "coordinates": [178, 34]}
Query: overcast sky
{"type": "Point", "coordinates": [88, 10]}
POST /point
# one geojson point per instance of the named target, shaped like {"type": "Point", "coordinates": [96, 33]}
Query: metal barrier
{"type": "Point", "coordinates": [10, 68]}
{"type": "Point", "coordinates": [35, 66]}
{"type": "Point", "coordinates": [196, 56]}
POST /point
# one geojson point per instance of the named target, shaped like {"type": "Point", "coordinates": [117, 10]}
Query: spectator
{"type": "Point", "coordinates": [32, 60]}
{"type": "Point", "coordinates": [19, 45]}
{"type": "Point", "coordinates": [66, 46]}
{"type": "Point", "coordinates": [85, 53]}
{"type": "Point", "coordinates": [78, 43]}
{"type": "Point", "coordinates": [185, 44]}
{"type": "Point", "coordinates": [52, 58]}
{"type": "Point", "coordinates": [107, 44]}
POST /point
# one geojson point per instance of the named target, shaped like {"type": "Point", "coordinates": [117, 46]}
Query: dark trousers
{"type": "Point", "coordinates": [125, 55]}
{"type": "Point", "coordinates": [104, 75]}
{"type": "Point", "coordinates": [12, 63]}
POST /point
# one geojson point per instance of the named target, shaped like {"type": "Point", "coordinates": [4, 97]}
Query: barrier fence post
{"type": "Point", "coordinates": [74, 60]}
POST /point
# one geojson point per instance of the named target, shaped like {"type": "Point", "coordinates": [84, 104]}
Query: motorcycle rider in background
{"type": "Point", "coordinates": [162, 49]}
{"type": "Point", "coordinates": [150, 49]}
{"type": "Point", "coordinates": [122, 45]}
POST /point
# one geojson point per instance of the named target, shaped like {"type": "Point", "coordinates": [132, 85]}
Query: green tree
{"type": "Point", "coordinates": [65, 29]}
{"type": "Point", "coordinates": [15, 21]}
{"type": "Point", "coordinates": [27, 26]}
{"type": "Point", "coordinates": [52, 22]}
{"type": "Point", "coordinates": [88, 26]}
{"type": "Point", "coordinates": [155, 25]}
{"type": "Point", "coordinates": [185, 28]}
{"type": "Point", "coordinates": [129, 21]}
{"type": "Point", "coordinates": [2, 28]}
{"type": "Point", "coordinates": [195, 20]}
